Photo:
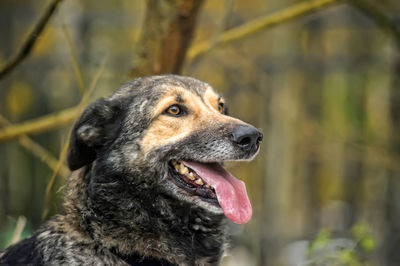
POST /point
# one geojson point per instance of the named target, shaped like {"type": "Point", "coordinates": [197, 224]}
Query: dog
{"type": "Point", "coordinates": [147, 184]}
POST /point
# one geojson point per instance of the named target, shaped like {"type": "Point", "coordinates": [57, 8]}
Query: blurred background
{"type": "Point", "coordinates": [321, 79]}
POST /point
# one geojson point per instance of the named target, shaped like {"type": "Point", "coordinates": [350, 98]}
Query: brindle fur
{"type": "Point", "coordinates": [120, 206]}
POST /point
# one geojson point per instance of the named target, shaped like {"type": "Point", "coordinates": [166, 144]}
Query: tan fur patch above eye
{"type": "Point", "coordinates": [168, 129]}
{"type": "Point", "coordinates": [170, 98]}
{"type": "Point", "coordinates": [211, 98]}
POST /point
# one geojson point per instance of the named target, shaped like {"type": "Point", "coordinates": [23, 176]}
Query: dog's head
{"type": "Point", "coordinates": [171, 133]}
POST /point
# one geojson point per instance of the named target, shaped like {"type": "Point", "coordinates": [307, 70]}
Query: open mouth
{"type": "Point", "coordinates": [211, 183]}
{"type": "Point", "coordinates": [187, 179]}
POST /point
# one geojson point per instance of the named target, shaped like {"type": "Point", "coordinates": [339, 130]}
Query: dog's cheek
{"type": "Point", "coordinates": [163, 133]}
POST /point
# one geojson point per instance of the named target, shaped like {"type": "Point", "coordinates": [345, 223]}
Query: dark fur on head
{"type": "Point", "coordinates": [120, 204]}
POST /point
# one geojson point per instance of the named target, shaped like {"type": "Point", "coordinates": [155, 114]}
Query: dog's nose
{"type": "Point", "coordinates": [247, 137]}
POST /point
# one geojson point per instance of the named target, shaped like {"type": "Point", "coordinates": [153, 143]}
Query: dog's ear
{"type": "Point", "coordinates": [97, 126]}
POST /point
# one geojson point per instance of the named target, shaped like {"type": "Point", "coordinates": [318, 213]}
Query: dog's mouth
{"type": "Point", "coordinates": [211, 183]}
{"type": "Point", "coordinates": [190, 181]}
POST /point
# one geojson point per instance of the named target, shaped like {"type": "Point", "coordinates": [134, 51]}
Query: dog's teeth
{"type": "Point", "coordinates": [183, 170]}
{"type": "Point", "coordinates": [199, 182]}
{"type": "Point", "coordinates": [207, 186]}
{"type": "Point", "coordinates": [190, 176]}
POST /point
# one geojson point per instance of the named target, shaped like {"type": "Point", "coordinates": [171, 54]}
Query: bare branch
{"type": "Point", "coordinates": [29, 43]}
{"type": "Point", "coordinates": [256, 25]}
{"type": "Point", "coordinates": [19, 228]}
{"type": "Point", "coordinates": [46, 122]}
{"type": "Point", "coordinates": [63, 154]}
{"type": "Point", "coordinates": [68, 115]}
{"type": "Point", "coordinates": [75, 60]}
{"type": "Point", "coordinates": [38, 151]}
{"type": "Point", "coordinates": [40, 124]}
{"type": "Point", "coordinates": [52, 181]}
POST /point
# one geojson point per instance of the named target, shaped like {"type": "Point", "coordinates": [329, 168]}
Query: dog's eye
{"type": "Point", "coordinates": [174, 110]}
{"type": "Point", "coordinates": [221, 107]}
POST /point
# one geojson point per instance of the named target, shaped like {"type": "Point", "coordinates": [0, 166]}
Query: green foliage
{"type": "Point", "coordinates": [362, 234]}
{"type": "Point", "coordinates": [320, 242]}
{"type": "Point", "coordinates": [325, 250]}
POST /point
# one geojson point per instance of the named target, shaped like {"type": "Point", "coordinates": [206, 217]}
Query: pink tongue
{"type": "Point", "coordinates": [231, 192]}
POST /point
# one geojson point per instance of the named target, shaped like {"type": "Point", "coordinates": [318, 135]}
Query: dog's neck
{"type": "Point", "coordinates": [142, 222]}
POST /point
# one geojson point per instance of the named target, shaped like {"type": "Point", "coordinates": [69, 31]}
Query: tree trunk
{"type": "Point", "coordinates": [166, 35]}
